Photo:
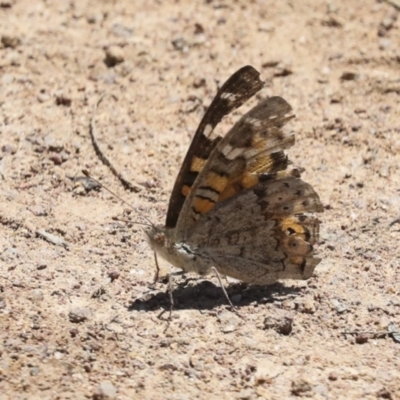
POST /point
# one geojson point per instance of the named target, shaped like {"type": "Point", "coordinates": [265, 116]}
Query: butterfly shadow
{"type": "Point", "coordinates": [207, 295]}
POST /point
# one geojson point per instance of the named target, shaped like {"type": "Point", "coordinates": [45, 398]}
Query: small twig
{"type": "Point", "coordinates": [92, 128]}
{"type": "Point", "coordinates": [373, 333]}
{"type": "Point", "coordinates": [395, 221]}
{"type": "Point", "coordinates": [53, 239]}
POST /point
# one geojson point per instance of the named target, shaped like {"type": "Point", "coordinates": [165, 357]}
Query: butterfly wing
{"type": "Point", "coordinates": [263, 235]}
{"type": "Point", "coordinates": [252, 148]}
{"type": "Point", "coordinates": [240, 87]}
{"type": "Point", "coordinates": [248, 213]}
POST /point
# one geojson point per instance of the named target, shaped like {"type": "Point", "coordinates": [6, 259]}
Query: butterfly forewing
{"type": "Point", "coordinates": [253, 147]}
{"type": "Point", "coordinates": [240, 87]}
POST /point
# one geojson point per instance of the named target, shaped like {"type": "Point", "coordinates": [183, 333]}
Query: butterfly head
{"type": "Point", "coordinates": [180, 255]}
{"type": "Point", "coordinates": [156, 236]}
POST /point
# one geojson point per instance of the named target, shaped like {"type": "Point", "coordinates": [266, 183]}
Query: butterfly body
{"type": "Point", "coordinates": [237, 205]}
{"type": "Point", "coordinates": [180, 254]}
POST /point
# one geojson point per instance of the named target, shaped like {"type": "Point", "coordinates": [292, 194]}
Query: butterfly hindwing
{"type": "Point", "coordinates": [240, 87]}
{"type": "Point", "coordinates": [263, 235]}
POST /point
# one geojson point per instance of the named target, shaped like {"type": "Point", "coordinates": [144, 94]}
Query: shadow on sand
{"type": "Point", "coordinates": [200, 294]}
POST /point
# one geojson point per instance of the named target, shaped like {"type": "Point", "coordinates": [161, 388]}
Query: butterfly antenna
{"type": "Point", "coordinates": [103, 158]}
{"type": "Point", "coordinates": [86, 173]}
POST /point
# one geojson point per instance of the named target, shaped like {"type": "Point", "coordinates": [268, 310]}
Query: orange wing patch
{"type": "Point", "coordinates": [208, 194]}
{"type": "Point", "coordinates": [185, 190]}
{"type": "Point", "coordinates": [197, 164]}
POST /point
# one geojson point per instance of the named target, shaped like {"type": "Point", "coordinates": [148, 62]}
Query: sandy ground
{"type": "Point", "coordinates": [79, 316]}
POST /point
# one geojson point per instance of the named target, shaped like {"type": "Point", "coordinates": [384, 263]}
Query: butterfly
{"type": "Point", "coordinates": [238, 205]}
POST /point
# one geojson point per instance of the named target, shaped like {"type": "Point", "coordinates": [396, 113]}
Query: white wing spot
{"type": "Point", "coordinates": [273, 116]}
{"type": "Point", "coordinates": [207, 130]}
{"type": "Point", "coordinates": [289, 115]}
{"type": "Point", "coordinates": [226, 150]}
{"type": "Point", "coordinates": [228, 96]}
{"type": "Point", "coordinates": [254, 121]}
{"type": "Point", "coordinates": [231, 153]}
{"type": "Point", "coordinates": [209, 194]}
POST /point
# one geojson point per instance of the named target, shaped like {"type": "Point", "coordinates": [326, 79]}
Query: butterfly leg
{"type": "Point", "coordinates": [223, 289]}
{"type": "Point", "coordinates": [171, 298]}
{"type": "Point", "coordinates": [157, 274]}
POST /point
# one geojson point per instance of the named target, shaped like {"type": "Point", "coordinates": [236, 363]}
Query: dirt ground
{"type": "Point", "coordinates": [80, 317]}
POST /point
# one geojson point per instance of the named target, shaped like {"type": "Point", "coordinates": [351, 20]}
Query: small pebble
{"type": "Point", "coordinates": [336, 98]}
{"type": "Point", "coordinates": [114, 56]}
{"type": "Point", "coordinates": [384, 43]}
{"type": "Point", "coordinates": [63, 100]}
{"type": "Point", "coordinates": [333, 376]}
{"type": "Point", "coordinates": [282, 325]}
{"type": "Point", "coordinates": [8, 149]}
{"type": "Point", "coordinates": [229, 321]}
{"type": "Point", "coordinates": [94, 18]}
{"type": "Point", "coordinates": [361, 338]}
{"type": "Point", "coordinates": [356, 126]}
{"type": "Point", "coordinates": [105, 390]}
{"type": "Point", "coordinates": [349, 76]}
{"type": "Point", "coordinates": [42, 97]}
{"type": "Point", "coordinates": [180, 44]}
{"type": "Point", "coordinates": [41, 265]}
{"type": "Point", "coordinates": [79, 314]}
{"type": "Point", "coordinates": [199, 82]}
{"type": "Point", "coordinates": [120, 30]}
{"type": "Point", "coordinates": [35, 295]}
{"type": "Point", "coordinates": [56, 158]}
{"type": "Point", "coordinates": [113, 275]}
{"type": "Point", "coordinates": [300, 387]}
{"type": "Point", "coordinates": [308, 306]}
{"type": "Point", "coordinates": [6, 3]}
{"type": "Point", "coordinates": [10, 41]}
{"type": "Point", "coordinates": [73, 332]}
{"type": "Point", "coordinates": [34, 371]}
{"type": "Point", "coordinates": [38, 210]}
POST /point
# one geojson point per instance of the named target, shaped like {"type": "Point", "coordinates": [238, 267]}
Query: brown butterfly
{"type": "Point", "coordinates": [236, 205]}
